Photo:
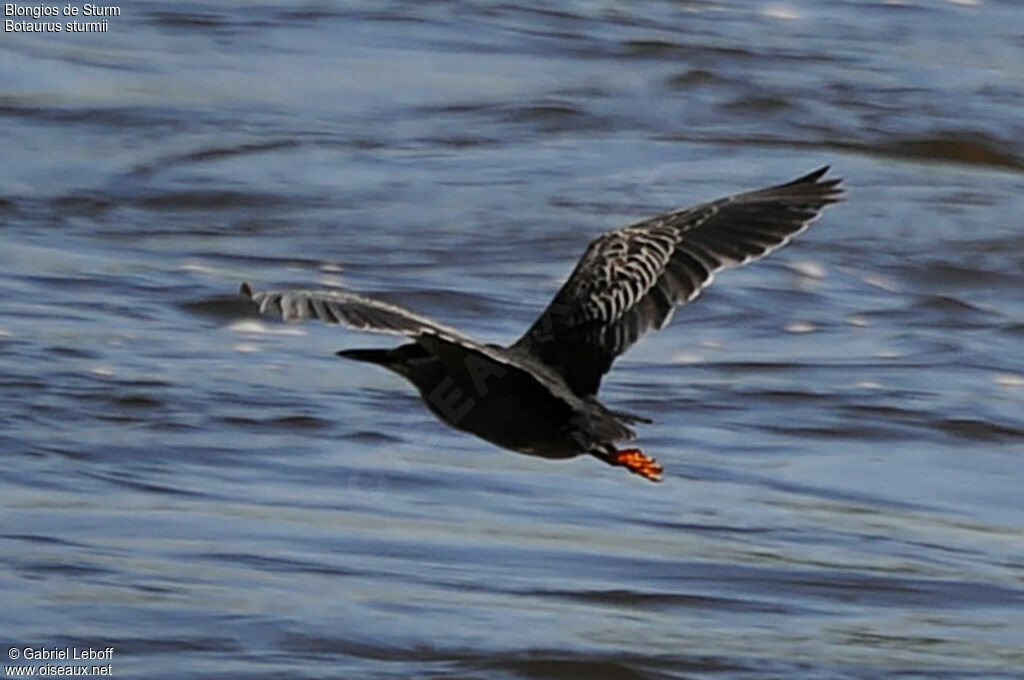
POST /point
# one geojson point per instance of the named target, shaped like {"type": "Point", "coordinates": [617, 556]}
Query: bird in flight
{"type": "Point", "coordinates": [538, 396]}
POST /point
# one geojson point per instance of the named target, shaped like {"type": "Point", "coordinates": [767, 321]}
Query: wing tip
{"type": "Point", "coordinates": [813, 176]}
{"type": "Point", "coordinates": [245, 290]}
{"type": "Point", "coordinates": [829, 191]}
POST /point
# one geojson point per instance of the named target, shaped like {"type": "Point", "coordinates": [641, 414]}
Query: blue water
{"type": "Point", "coordinates": [214, 495]}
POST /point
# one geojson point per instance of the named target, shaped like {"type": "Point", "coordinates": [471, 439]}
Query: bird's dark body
{"type": "Point", "coordinates": [539, 395]}
{"type": "Point", "coordinates": [506, 406]}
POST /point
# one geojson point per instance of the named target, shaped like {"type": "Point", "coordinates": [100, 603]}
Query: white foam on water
{"type": "Point", "coordinates": [868, 384]}
{"type": "Point", "coordinates": [253, 327]}
{"type": "Point", "coordinates": [687, 358]}
{"type": "Point", "coordinates": [800, 327]}
{"type": "Point", "coordinates": [1009, 380]}
{"type": "Point", "coordinates": [883, 282]}
{"type": "Point", "coordinates": [808, 268]}
{"type": "Point", "coordinates": [784, 12]}
{"type": "Point", "coordinates": [195, 266]}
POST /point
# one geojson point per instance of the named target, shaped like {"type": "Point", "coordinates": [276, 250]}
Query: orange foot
{"type": "Point", "coordinates": [637, 462]}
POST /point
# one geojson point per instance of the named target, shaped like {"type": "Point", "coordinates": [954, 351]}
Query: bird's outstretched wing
{"type": "Point", "coordinates": [631, 279]}
{"type": "Point", "coordinates": [349, 309]}
{"type": "Point", "coordinates": [367, 314]}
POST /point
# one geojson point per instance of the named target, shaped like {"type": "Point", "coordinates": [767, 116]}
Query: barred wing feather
{"type": "Point", "coordinates": [630, 280]}
{"type": "Point", "coordinates": [348, 309]}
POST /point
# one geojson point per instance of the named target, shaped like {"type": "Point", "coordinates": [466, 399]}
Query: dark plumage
{"type": "Point", "coordinates": [538, 396]}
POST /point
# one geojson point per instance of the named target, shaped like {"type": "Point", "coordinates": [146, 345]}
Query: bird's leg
{"type": "Point", "coordinates": [636, 461]}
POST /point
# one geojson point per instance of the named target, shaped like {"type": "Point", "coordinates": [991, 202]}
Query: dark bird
{"type": "Point", "coordinates": [538, 396]}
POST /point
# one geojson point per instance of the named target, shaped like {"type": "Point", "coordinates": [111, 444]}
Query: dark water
{"type": "Point", "coordinates": [215, 496]}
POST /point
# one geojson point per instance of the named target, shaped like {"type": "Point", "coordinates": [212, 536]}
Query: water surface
{"type": "Point", "coordinates": [217, 496]}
